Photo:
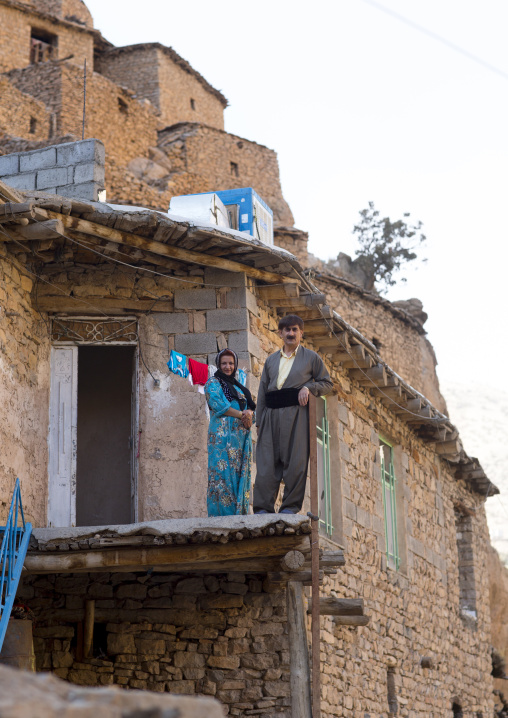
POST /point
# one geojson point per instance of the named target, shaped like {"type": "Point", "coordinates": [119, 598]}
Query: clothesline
{"type": "Point", "coordinates": [197, 372]}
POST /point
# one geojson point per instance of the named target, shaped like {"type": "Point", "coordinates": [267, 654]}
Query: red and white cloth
{"type": "Point", "coordinates": [198, 371]}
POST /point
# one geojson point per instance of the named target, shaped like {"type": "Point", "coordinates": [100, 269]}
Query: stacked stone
{"type": "Point", "coordinates": [415, 611]}
{"type": "Point", "coordinates": [220, 635]}
{"type": "Point", "coordinates": [21, 114]}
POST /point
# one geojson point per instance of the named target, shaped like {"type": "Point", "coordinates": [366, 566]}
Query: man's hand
{"type": "Point", "coordinates": [303, 396]}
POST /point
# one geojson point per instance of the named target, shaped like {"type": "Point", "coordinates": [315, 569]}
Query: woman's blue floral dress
{"type": "Point", "coordinates": [229, 456]}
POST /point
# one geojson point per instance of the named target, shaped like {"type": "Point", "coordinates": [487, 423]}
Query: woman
{"type": "Point", "coordinates": [229, 439]}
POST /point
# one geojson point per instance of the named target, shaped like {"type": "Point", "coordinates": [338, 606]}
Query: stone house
{"type": "Point", "coordinates": [93, 298]}
{"type": "Point", "coordinates": [129, 581]}
{"type": "Point", "coordinates": [161, 122]}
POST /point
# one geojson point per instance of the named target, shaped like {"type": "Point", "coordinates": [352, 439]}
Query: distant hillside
{"type": "Point", "coordinates": [481, 415]}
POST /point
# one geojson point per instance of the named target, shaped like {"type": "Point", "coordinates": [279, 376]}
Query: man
{"type": "Point", "coordinates": [282, 451]}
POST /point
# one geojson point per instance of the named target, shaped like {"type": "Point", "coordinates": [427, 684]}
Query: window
{"type": "Point", "coordinates": [33, 125]}
{"type": "Point", "coordinates": [193, 104]}
{"type": "Point", "coordinates": [467, 587]}
{"type": "Point", "coordinates": [234, 169]}
{"type": "Point", "coordinates": [388, 488]}
{"type": "Point", "coordinates": [323, 467]}
{"type": "Point", "coordinates": [43, 46]}
{"type": "Point", "coordinates": [393, 705]}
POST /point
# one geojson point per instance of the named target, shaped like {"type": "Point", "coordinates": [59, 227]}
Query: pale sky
{"type": "Point", "coordinates": [360, 106]}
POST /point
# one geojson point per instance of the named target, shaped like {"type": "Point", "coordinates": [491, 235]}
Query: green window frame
{"type": "Point", "coordinates": [323, 468]}
{"type": "Point", "coordinates": [388, 489]}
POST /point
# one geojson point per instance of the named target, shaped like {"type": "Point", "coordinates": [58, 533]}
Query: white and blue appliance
{"type": "Point", "coordinates": [247, 212]}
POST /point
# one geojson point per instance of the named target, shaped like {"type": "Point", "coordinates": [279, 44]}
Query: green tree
{"type": "Point", "coordinates": [385, 246]}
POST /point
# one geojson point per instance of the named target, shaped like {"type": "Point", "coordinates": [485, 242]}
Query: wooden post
{"type": "Point", "coordinates": [88, 628]}
{"type": "Point", "coordinates": [314, 537]}
{"type": "Point", "coordinates": [299, 675]}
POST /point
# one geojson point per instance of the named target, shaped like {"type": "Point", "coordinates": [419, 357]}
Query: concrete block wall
{"type": "Point", "coordinates": [212, 318]}
{"type": "Point", "coordinates": [72, 169]}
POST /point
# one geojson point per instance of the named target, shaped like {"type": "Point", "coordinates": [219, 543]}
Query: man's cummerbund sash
{"type": "Point", "coordinates": [281, 398]}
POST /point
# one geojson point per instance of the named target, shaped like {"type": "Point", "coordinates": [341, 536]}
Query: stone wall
{"type": "Point", "coordinates": [26, 695]}
{"type": "Point", "coordinates": [73, 169]}
{"type": "Point", "coordinates": [172, 416]}
{"type": "Point", "coordinates": [416, 611]}
{"type": "Point", "coordinates": [24, 392]}
{"type": "Point", "coordinates": [219, 635]}
{"type": "Point", "coordinates": [70, 10]}
{"type": "Point", "coordinates": [498, 581]}
{"type": "Point", "coordinates": [159, 75]}
{"type": "Point", "coordinates": [21, 114]}
{"type": "Point", "coordinates": [205, 156]}
{"type": "Point", "coordinates": [125, 125]}
{"type": "Point", "coordinates": [400, 339]}
{"type": "Point", "coordinates": [15, 32]}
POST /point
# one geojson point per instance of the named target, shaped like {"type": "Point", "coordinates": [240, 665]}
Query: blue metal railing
{"type": "Point", "coordinates": [12, 555]}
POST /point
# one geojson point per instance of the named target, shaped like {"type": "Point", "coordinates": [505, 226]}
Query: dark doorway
{"type": "Point", "coordinates": [104, 436]}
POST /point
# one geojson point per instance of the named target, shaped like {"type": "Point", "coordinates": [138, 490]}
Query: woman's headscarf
{"type": "Point", "coordinates": [228, 383]}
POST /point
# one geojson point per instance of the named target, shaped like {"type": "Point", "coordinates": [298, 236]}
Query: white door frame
{"type": "Point", "coordinates": [62, 445]}
{"type": "Point", "coordinates": [62, 435]}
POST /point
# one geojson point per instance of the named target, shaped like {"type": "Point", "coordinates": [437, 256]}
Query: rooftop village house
{"type": "Point", "coordinates": [129, 582]}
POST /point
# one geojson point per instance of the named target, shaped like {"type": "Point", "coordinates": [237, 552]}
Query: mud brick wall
{"type": "Point", "coordinates": [21, 114]}
{"type": "Point", "coordinates": [152, 72]}
{"type": "Point", "coordinates": [15, 31]}
{"type": "Point", "coordinates": [219, 635]}
{"type": "Point", "coordinates": [24, 392]}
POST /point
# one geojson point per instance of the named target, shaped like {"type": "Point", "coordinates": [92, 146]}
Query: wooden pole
{"type": "Point", "coordinates": [88, 628]}
{"type": "Point", "coordinates": [84, 101]}
{"type": "Point", "coordinates": [299, 674]}
{"type": "Point", "coordinates": [314, 507]}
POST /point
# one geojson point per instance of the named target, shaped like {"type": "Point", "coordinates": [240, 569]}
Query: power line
{"type": "Point", "coordinates": [438, 38]}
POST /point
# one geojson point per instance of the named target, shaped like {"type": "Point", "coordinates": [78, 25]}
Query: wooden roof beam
{"type": "Point", "coordinates": [278, 291]}
{"type": "Point", "coordinates": [148, 245]}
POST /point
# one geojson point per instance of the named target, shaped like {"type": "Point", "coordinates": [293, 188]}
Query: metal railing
{"type": "Point", "coordinates": [12, 555]}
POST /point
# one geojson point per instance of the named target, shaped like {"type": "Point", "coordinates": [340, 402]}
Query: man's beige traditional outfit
{"type": "Point", "coordinates": [282, 451]}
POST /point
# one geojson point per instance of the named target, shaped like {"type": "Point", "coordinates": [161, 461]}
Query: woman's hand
{"type": "Point", "coordinates": [247, 418]}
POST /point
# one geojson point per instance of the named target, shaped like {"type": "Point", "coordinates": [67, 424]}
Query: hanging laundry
{"type": "Point", "coordinates": [199, 372]}
{"type": "Point", "coordinates": [211, 370]}
{"type": "Point", "coordinates": [242, 376]}
{"type": "Point", "coordinates": [178, 364]}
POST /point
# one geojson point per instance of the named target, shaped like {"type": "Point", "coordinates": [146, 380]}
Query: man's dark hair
{"type": "Point", "coordinates": [289, 321]}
